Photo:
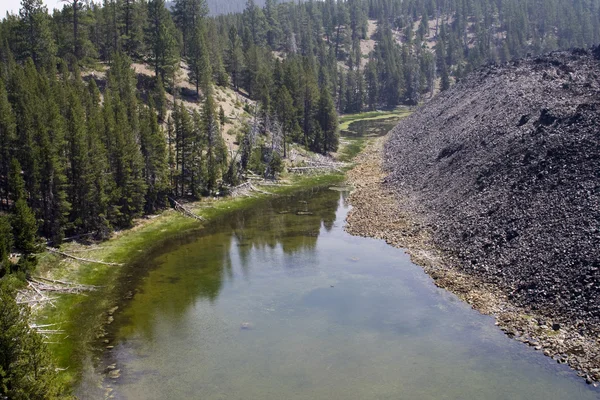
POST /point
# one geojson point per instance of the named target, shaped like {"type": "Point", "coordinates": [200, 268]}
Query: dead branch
{"type": "Point", "coordinates": [254, 189]}
{"type": "Point", "coordinates": [91, 287]}
{"type": "Point", "coordinates": [182, 209]}
{"type": "Point", "coordinates": [56, 251]}
{"type": "Point", "coordinates": [69, 288]}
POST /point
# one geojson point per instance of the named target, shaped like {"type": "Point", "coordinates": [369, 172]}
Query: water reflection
{"type": "Point", "coordinates": [371, 128]}
{"type": "Point", "coordinates": [194, 267]}
{"type": "Point", "coordinates": [278, 302]}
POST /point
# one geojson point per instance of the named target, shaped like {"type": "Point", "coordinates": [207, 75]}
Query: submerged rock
{"type": "Point", "coordinates": [246, 326]}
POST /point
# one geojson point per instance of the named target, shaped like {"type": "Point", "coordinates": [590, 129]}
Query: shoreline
{"type": "Point", "coordinates": [378, 213]}
{"type": "Point", "coordinates": [85, 317]}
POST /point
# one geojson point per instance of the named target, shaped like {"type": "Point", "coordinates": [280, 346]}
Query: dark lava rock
{"type": "Point", "coordinates": [505, 169]}
{"type": "Point", "coordinates": [555, 326]}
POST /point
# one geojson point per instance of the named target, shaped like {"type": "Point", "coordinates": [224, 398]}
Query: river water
{"type": "Point", "coordinates": [268, 304]}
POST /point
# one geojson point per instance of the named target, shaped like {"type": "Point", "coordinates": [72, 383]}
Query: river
{"type": "Point", "coordinates": [279, 302]}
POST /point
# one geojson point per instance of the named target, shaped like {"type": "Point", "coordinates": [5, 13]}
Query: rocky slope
{"type": "Point", "coordinates": [504, 168]}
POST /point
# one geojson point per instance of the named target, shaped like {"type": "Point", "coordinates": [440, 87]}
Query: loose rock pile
{"type": "Point", "coordinates": [504, 168]}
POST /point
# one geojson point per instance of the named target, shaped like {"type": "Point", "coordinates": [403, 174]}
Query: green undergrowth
{"type": "Point", "coordinates": [352, 148]}
{"type": "Point", "coordinates": [82, 317]}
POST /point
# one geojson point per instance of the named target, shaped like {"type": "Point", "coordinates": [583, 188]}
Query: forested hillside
{"type": "Point", "coordinates": [87, 145]}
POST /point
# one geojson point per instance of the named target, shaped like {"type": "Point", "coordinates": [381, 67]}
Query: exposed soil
{"type": "Point", "coordinates": [494, 187]}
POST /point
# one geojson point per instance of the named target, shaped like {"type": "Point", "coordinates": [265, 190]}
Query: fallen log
{"type": "Point", "coordinates": [56, 251]}
{"type": "Point", "coordinates": [181, 208]}
{"type": "Point", "coordinates": [64, 282]}
{"type": "Point", "coordinates": [69, 288]}
{"type": "Point", "coordinates": [254, 189]}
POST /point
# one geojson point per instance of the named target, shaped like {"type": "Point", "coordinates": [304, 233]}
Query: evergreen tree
{"type": "Point", "coordinates": [154, 152]}
{"type": "Point", "coordinates": [6, 243]}
{"type": "Point", "coordinates": [34, 31]}
{"type": "Point", "coordinates": [23, 220]}
{"type": "Point", "coordinates": [7, 141]}
{"type": "Point", "coordinates": [198, 60]}
{"type": "Point", "coordinates": [216, 156]}
{"type": "Point", "coordinates": [133, 19]}
{"type": "Point", "coordinates": [272, 24]}
{"type": "Point", "coordinates": [255, 20]}
{"type": "Point", "coordinates": [160, 100]}
{"type": "Point", "coordinates": [234, 58]}
{"type": "Point", "coordinates": [161, 40]}
{"type": "Point", "coordinates": [328, 122]}
{"type": "Point", "coordinates": [97, 195]}
{"type": "Point", "coordinates": [188, 15]}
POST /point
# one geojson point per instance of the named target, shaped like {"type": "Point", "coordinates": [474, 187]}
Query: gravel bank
{"type": "Point", "coordinates": [494, 187]}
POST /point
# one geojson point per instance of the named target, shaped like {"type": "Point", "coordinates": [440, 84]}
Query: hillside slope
{"type": "Point", "coordinates": [505, 170]}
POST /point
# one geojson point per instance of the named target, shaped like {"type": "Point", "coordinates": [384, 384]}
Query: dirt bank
{"type": "Point", "coordinates": [379, 213]}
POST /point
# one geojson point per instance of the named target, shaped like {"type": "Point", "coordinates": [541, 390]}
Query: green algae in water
{"type": "Point", "coordinates": [265, 305]}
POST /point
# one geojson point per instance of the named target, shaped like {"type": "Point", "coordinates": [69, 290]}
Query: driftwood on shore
{"type": "Point", "coordinates": [53, 285]}
{"type": "Point", "coordinates": [182, 209]}
{"type": "Point", "coordinates": [35, 295]}
{"type": "Point", "coordinates": [56, 251]}
{"type": "Point", "coordinates": [245, 188]}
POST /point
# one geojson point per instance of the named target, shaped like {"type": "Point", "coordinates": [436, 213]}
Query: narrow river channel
{"type": "Point", "coordinates": [278, 302]}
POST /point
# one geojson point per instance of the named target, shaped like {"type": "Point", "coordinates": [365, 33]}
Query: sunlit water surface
{"type": "Point", "coordinates": [268, 304]}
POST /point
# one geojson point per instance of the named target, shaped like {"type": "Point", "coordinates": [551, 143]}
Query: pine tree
{"type": "Point", "coordinates": [77, 159]}
{"type": "Point", "coordinates": [76, 6]}
{"type": "Point", "coordinates": [6, 243]}
{"type": "Point", "coordinates": [286, 113]}
{"type": "Point", "coordinates": [198, 60]}
{"type": "Point", "coordinates": [255, 20]}
{"type": "Point", "coordinates": [160, 100]}
{"type": "Point", "coordinates": [161, 40]}
{"type": "Point", "coordinates": [184, 131]}
{"type": "Point", "coordinates": [154, 152]}
{"type": "Point", "coordinates": [130, 185]}
{"type": "Point", "coordinates": [97, 195]}
{"type": "Point", "coordinates": [188, 15]}
{"type": "Point", "coordinates": [133, 19]}
{"type": "Point", "coordinates": [34, 31]}
{"type": "Point", "coordinates": [7, 142]}
{"type": "Point", "coordinates": [328, 121]}
{"type": "Point", "coordinates": [216, 43]}
{"type": "Point", "coordinates": [272, 23]}
{"type": "Point", "coordinates": [216, 157]}
{"type": "Point", "coordinates": [234, 58]}
{"type": "Point", "coordinates": [53, 206]}
{"type": "Point", "coordinates": [23, 220]}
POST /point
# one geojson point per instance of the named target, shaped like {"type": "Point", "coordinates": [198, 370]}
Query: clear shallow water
{"type": "Point", "coordinates": [267, 304]}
